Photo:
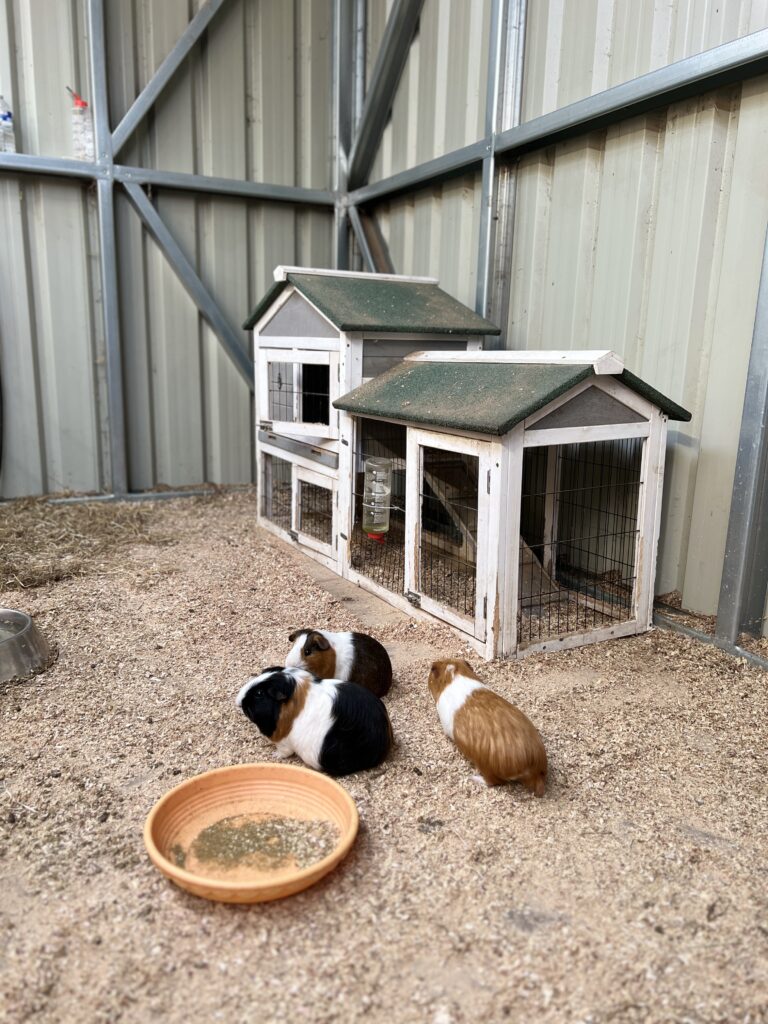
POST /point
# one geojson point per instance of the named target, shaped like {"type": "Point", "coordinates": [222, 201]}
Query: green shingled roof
{"type": "Point", "coordinates": [375, 304]}
{"type": "Point", "coordinates": [488, 398]}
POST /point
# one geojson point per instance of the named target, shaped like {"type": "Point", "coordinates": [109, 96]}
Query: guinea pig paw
{"type": "Point", "coordinates": [281, 755]}
{"type": "Point", "coordinates": [480, 781]}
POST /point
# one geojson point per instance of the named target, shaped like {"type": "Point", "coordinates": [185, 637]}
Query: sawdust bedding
{"type": "Point", "coordinates": [635, 890]}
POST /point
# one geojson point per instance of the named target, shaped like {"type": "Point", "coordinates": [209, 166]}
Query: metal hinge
{"type": "Point", "coordinates": [488, 490]}
{"type": "Point", "coordinates": [415, 599]}
{"type": "Point", "coordinates": [485, 607]}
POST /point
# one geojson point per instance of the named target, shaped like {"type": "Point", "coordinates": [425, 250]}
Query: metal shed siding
{"type": "Point", "coordinates": [648, 239]}
{"type": "Point", "coordinates": [261, 72]}
{"type": "Point", "coordinates": [436, 232]}
{"type": "Point", "coordinates": [440, 102]}
{"type": "Point", "coordinates": [575, 48]}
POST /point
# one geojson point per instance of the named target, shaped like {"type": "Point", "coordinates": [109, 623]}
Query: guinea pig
{"type": "Point", "coordinates": [352, 656]}
{"type": "Point", "coordinates": [334, 726]}
{"type": "Point", "coordinates": [495, 735]}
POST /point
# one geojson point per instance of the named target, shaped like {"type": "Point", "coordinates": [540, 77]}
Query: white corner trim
{"type": "Point", "coordinates": [603, 361]}
{"type": "Point", "coordinates": [282, 271]}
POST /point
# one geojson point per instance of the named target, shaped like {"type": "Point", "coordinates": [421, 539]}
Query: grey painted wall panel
{"type": "Point", "coordinates": [296, 318]}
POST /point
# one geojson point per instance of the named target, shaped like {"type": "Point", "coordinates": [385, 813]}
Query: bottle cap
{"type": "Point", "coordinates": [378, 537]}
{"type": "Point", "coordinates": [79, 102]}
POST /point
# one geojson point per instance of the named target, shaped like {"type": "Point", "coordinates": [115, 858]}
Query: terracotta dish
{"type": "Point", "coordinates": [197, 833]}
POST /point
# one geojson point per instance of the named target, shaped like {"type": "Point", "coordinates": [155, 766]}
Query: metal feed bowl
{"type": "Point", "coordinates": [23, 648]}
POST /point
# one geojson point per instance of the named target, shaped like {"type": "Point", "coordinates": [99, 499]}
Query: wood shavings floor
{"type": "Point", "coordinates": [634, 891]}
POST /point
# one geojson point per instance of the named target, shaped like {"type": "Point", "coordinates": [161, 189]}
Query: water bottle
{"type": "Point", "coordinates": [377, 491]}
{"type": "Point", "coordinates": [7, 135]}
{"type": "Point", "coordinates": [82, 128]}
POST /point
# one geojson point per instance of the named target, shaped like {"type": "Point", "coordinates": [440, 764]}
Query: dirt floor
{"type": "Point", "coordinates": [635, 890]}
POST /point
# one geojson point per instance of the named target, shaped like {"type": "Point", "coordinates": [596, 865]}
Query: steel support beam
{"type": "Point", "coordinates": [371, 242]}
{"type": "Point", "coordinates": [385, 77]}
{"type": "Point", "coordinates": [199, 294]}
{"type": "Point", "coordinates": [224, 186]}
{"type": "Point", "coordinates": [493, 91]}
{"type": "Point", "coordinates": [51, 166]}
{"type": "Point", "coordinates": [442, 167]}
{"type": "Point", "coordinates": [343, 30]}
{"type": "Point", "coordinates": [118, 472]}
{"type": "Point", "coordinates": [732, 62]}
{"type": "Point", "coordinates": [744, 583]}
{"type": "Point", "coordinates": [665, 622]}
{"type": "Point", "coordinates": [149, 94]}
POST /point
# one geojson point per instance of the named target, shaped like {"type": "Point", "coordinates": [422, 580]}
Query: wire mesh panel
{"type": "Point", "coordinates": [276, 491]}
{"type": "Point", "coordinates": [316, 511]}
{"type": "Point", "coordinates": [447, 566]}
{"type": "Point", "coordinates": [579, 531]}
{"type": "Point", "coordinates": [298, 392]}
{"type": "Point", "coordinates": [380, 555]}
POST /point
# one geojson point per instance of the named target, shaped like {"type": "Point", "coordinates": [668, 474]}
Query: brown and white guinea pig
{"type": "Point", "coordinates": [495, 735]}
{"type": "Point", "coordinates": [334, 726]}
{"type": "Point", "coordinates": [352, 656]}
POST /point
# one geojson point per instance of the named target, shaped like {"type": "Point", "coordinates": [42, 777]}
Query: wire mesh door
{"type": "Point", "coordinates": [295, 391]}
{"type": "Point", "coordinates": [579, 532]}
{"type": "Point", "coordinates": [447, 542]}
{"type": "Point", "coordinates": [379, 554]}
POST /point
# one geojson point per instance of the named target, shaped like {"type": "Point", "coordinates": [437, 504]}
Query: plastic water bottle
{"type": "Point", "coordinates": [82, 128]}
{"type": "Point", "coordinates": [377, 491]}
{"type": "Point", "coordinates": [7, 135]}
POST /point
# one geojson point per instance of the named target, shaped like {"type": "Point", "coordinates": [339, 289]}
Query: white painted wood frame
{"type": "Point", "coordinates": [580, 435]}
{"type": "Point", "coordinates": [551, 508]}
{"type": "Point", "coordinates": [570, 640]}
{"type": "Point", "coordinates": [649, 519]}
{"type": "Point", "coordinates": [300, 476]}
{"type": "Point", "coordinates": [417, 440]}
{"type": "Point", "coordinates": [602, 361]}
{"type": "Point", "coordinates": [509, 513]}
{"type": "Point", "coordinates": [296, 356]}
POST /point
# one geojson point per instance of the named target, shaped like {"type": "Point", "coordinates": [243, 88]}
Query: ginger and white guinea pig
{"type": "Point", "coordinates": [334, 726]}
{"type": "Point", "coordinates": [495, 735]}
{"type": "Point", "coordinates": [351, 656]}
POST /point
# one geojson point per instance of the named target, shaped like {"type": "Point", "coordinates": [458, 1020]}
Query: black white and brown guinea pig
{"type": "Point", "coordinates": [334, 726]}
{"type": "Point", "coordinates": [352, 656]}
{"type": "Point", "coordinates": [495, 735]}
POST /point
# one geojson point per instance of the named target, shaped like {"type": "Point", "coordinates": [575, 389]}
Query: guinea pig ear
{"type": "Point", "coordinates": [316, 642]}
{"type": "Point", "coordinates": [295, 635]}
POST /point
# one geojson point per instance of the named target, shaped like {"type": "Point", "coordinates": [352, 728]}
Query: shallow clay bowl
{"type": "Point", "coordinates": [252, 790]}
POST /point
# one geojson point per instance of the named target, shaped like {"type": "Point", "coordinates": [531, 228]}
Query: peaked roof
{"type": "Point", "coordinates": [367, 302]}
{"type": "Point", "coordinates": [485, 397]}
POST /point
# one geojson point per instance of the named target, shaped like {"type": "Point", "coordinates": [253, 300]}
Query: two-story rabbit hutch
{"type": "Point", "coordinates": [523, 489]}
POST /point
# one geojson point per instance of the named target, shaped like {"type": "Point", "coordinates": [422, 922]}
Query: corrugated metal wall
{"type": "Point", "coordinates": [646, 239]}
{"type": "Point", "coordinates": [252, 102]}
